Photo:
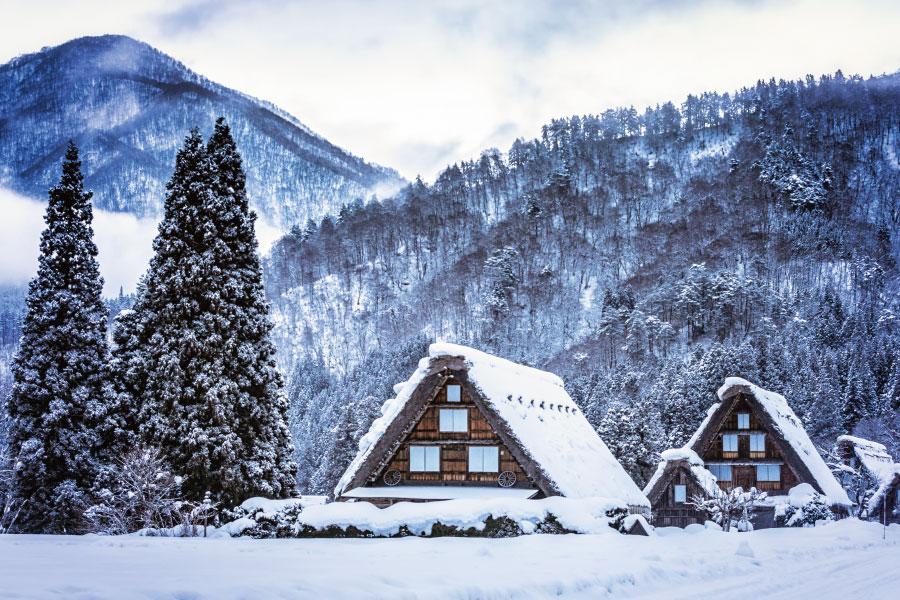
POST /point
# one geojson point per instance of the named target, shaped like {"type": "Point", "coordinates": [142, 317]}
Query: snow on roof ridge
{"type": "Point", "coordinates": [698, 468]}
{"type": "Point", "coordinates": [862, 442]}
{"type": "Point", "coordinates": [685, 453]}
{"type": "Point", "coordinates": [439, 349]}
{"type": "Point", "coordinates": [794, 433]}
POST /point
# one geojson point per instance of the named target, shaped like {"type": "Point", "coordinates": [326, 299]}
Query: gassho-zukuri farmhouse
{"type": "Point", "coordinates": [470, 425]}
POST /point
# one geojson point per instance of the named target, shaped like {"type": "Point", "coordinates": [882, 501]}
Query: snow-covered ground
{"type": "Point", "coordinates": [848, 559]}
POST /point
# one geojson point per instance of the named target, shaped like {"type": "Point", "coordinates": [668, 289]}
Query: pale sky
{"type": "Point", "coordinates": [416, 85]}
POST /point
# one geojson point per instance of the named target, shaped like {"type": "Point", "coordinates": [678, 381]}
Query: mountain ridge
{"type": "Point", "coordinates": [129, 105]}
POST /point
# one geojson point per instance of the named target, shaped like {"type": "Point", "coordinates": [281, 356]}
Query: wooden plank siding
{"type": "Point", "coordinates": [667, 512]}
{"type": "Point", "coordinates": [454, 460]}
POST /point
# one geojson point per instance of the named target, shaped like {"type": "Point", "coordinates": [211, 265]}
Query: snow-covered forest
{"type": "Point", "coordinates": [643, 255]}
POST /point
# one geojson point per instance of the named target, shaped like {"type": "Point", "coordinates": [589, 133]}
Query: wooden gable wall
{"type": "Point", "coordinates": [453, 445]}
{"type": "Point", "coordinates": [668, 513]}
{"type": "Point", "coordinates": [743, 462]}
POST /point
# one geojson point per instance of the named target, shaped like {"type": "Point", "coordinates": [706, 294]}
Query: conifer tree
{"type": "Point", "coordinates": [60, 417]}
{"type": "Point", "coordinates": [251, 380]}
{"type": "Point", "coordinates": [196, 351]}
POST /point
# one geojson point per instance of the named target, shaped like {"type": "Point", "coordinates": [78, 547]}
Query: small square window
{"type": "Point", "coordinates": [721, 472]}
{"type": "Point", "coordinates": [768, 472]}
{"type": "Point", "coordinates": [757, 442]}
{"type": "Point", "coordinates": [484, 459]}
{"type": "Point", "coordinates": [680, 494]}
{"type": "Point", "coordinates": [425, 459]}
{"type": "Point", "coordinates": [730, 442]}
{"type": "Point", "coordinates": [454, 420]}
{"type": "Point", "coordinates": [453, 393]}
{"type": "Point", "coordinates": [743, 420]}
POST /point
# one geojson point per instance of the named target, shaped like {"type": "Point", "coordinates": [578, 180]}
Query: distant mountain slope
{"type": "Point", "coordinates": [129, 106]}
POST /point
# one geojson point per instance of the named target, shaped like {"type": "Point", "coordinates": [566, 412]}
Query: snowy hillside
{"type": "Point", "coordinates": [643, 256]}
{"type": "Point", "coordinates": [129, 107]}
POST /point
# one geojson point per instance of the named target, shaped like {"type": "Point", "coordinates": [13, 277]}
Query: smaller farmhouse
{"type": "Point", "coordinates": [471, 425]}
{"type": "Point", "coordinates": [878, 476]}
{"type": "Point", "coordinates": [749, 438]}
{"type": "Point", "coordinates": [680, 476]}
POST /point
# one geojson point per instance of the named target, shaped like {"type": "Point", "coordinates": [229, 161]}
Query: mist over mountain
{"type": "Point", "coordinates": [129, 106]}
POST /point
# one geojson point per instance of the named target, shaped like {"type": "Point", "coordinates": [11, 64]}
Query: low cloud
{"type": "Point", "coordinates": [124, 243]}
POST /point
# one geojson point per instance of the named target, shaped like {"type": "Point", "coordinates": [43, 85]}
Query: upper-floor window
{"type": "Point", "coordinates": [722, 472]}
{"type": "Point", "coordinates": [680, 494]}
{"type": "Point", "coordinates": [484, 459]}
{"type": "Point", "coordinates": [768, 472]}
{"type": "Point", "coordinates": [730, 442]}
{"type": "Point", "coordinates": [425, 459]}
{"type": "Point", "coordinates": [757, 442]}
{"type": "Point", "coordinates": [743, 420]}
{"type": "Point", "coordinates": [454, 420]}
{"type": "Point", "coordinates": [453, 393]}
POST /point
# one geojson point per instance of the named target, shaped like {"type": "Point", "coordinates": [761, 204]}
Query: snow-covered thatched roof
{"type": "Point", "coordinates": [796, 445]}
{"type": "Point", "coordinates": [689, 458]}
{"type": "Point", "coordinates": [875, 459]}
{"type": "Point", "coordinates": [530, 409]}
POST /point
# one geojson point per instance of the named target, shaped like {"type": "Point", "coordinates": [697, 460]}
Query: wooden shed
{"type": "Point", "coordinates": [468, 425]}
{"type": "Point", "coordinates": [872, 460]}
{"type": "Point", "coordinates": [680, 477]}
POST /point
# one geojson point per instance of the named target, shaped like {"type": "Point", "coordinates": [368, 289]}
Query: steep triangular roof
{"type": "Point", "coordinates": [530, 411]}
{"type": "Point", "coordinates": [788, 434]}
{"type": "Point", "coordinates": [875, 459]}
{"type": "Point", "coordinates": [674, 459]}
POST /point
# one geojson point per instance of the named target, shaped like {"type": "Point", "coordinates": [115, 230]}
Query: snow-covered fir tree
{"type": "Point", "coordinates": [61, 422]}
{"type": "Point", "coordinates": [196, 349]}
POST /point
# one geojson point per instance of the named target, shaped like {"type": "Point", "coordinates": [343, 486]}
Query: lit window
{"type": "Point", "coordinates": [722, 472]}
{"type": "Point", "coordinates": [757, 442]}
{"type": "Point", "coordinates": [768, 472]}
{"type": "Point", "coordinates": [730, 442]}
{"type": "Point", "coordinates": [454, 420]}
{"type": "Point", "coordinates": [425, 459]}
{"type": "Point", "coordinates": [453, 393]}
{"type": "Point", "coordinates": [680, 494]}
{"type": "Point", "coordinates": [743, 420]}
{"type": "Point", "coordinates": [484, 459]}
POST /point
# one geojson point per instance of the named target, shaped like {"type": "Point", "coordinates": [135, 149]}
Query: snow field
{"type": "Point", "coordinates": [847, 559]}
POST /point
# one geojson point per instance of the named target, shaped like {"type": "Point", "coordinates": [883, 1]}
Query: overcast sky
{"type": "Point", "coordinates": [417, 85]}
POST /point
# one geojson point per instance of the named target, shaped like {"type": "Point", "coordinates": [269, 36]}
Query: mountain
{"type": "Point", "coordinates": [642, 256]}
{"type": "Point", "coordinates": [129, 106]}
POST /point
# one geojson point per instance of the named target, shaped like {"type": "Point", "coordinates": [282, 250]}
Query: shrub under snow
{"type": "Point", "coordinates": [499, 517]}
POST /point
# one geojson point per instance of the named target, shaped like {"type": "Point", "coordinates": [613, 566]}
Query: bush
{"type": "Point", "coordinates": [814, 509]}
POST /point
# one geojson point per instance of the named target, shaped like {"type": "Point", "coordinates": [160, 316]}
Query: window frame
{"type": "Point", "coordinates": [675, 488]}
{"type": "Point", "coordinates": [429, 454]}
{"type": "Point", "coordinates": [719, 467]}
{"type": "Point", "coordinates": [453, 421]}
{"type": "Point", "coordinates": [456, 388]}
{"type": "Point", "coordinates": [767, 471]}
{"type": "Point", "coordinates": [757, 437]}
{"type": "Point", "coordinates": [730, 436]}
{"type": "Point", "coordinates": [481, 452]}
{"type": "Point", "coordinates": [743, 416]}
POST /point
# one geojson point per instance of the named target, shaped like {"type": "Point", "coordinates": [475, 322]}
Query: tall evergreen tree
{"type": "Point", "coordinates": [60, 418]}
{"type": "Point", "coordinates": [250, 378]}
{"type": "Point", "coordinates": [196, 351]}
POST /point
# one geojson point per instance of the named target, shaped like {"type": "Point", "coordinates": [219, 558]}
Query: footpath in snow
{"type": "Point", "coordinates": [843, 560]}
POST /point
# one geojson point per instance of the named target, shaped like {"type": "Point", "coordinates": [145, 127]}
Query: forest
{"type": "Point", "coordinates": [642, 256]}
